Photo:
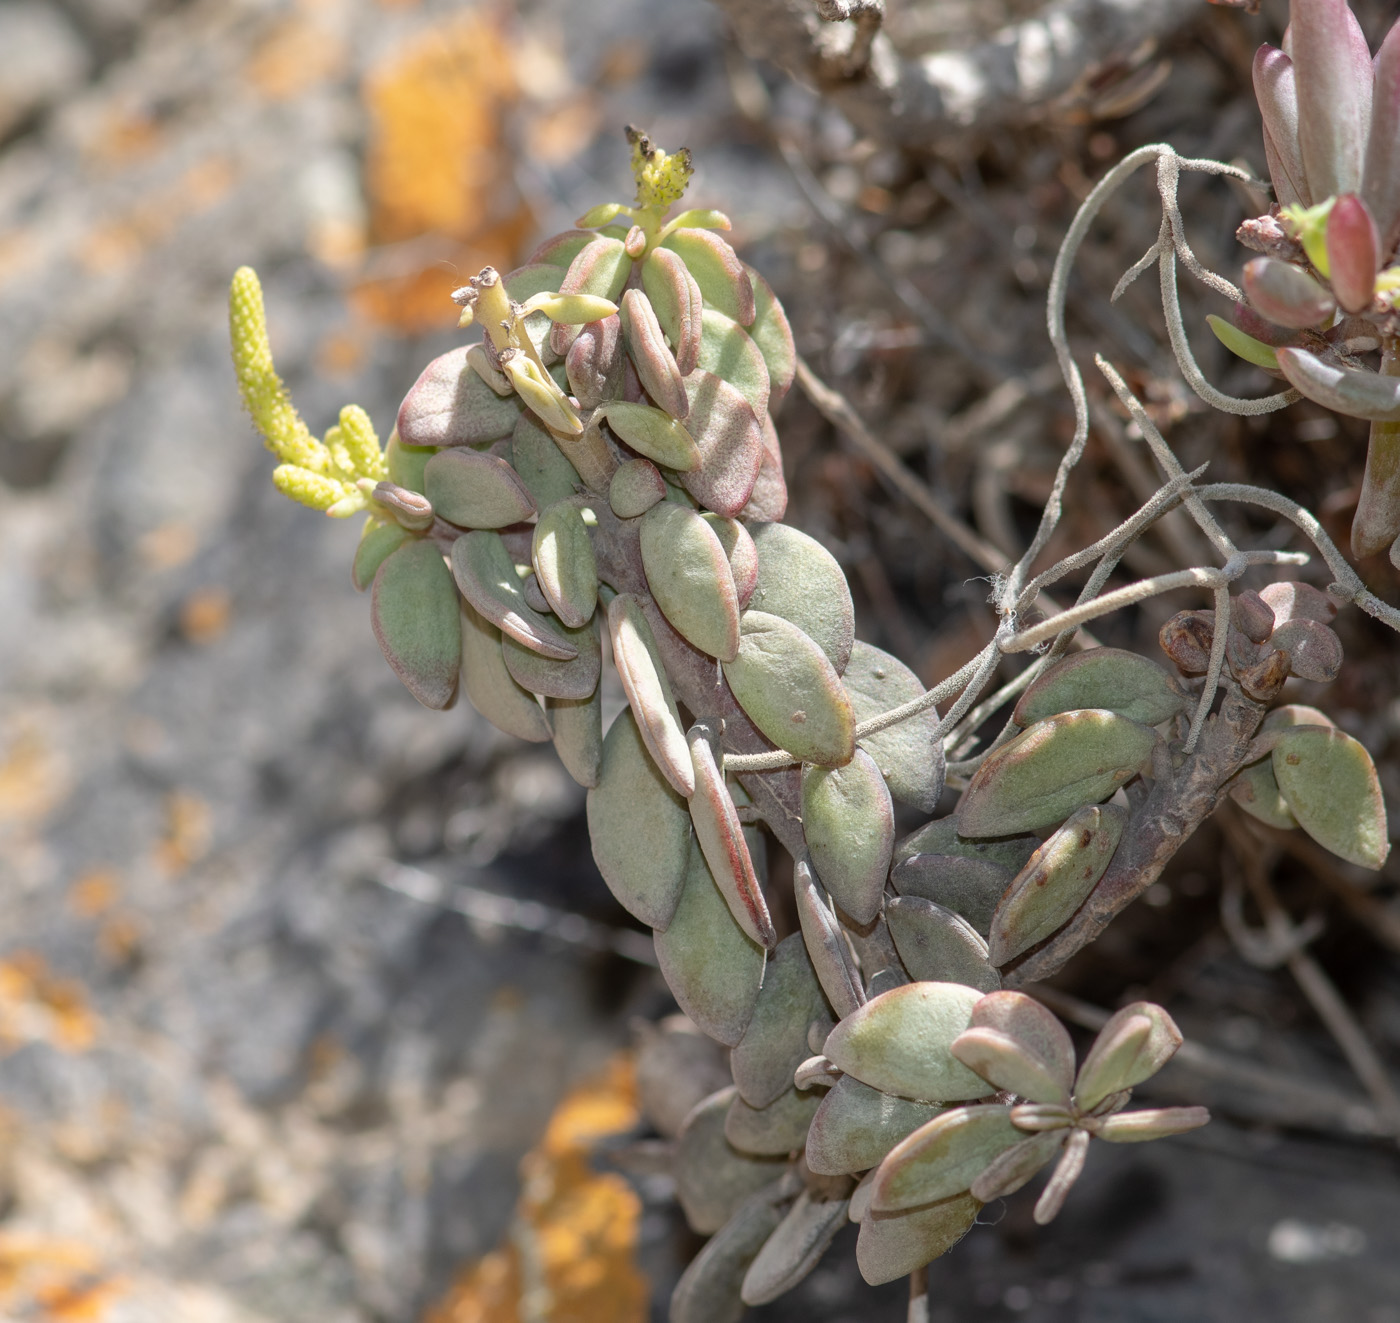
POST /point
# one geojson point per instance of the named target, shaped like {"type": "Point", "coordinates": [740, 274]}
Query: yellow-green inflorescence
{"type": "Point", "coordinates": [325, 475]}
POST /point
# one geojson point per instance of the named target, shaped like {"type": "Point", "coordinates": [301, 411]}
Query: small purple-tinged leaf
{"type": "Point", "coordinates": [1285, 294]}
{"type": "Point", "coordinates": [413, 608]}
{"type": "Point", "coordinates": [1067, 1171]}
{"type": "Point", "coordinates": [743, 555]}
{"type": "Point", "coordinates": [635, 488]}
{"type": "Point", "coordinates": [653, 359]}
{"type": "Point", "coordinates": [1252, 616]}
{"type": "Point", "coordinates": [1151, 1123]}
{"type": "Point", "coordinates": [767, 502]}
{"type": "Point", "coordinates": [600, 267]}
{"type": "Point", "coordinates": [1014, 1166]}
{"type": "Point", "coordinates": [486, 576]}
{"type": "Point", "coordinates": [1381, 184]}
{"type": "Point", "coordinates": [648, 692]}
{"type": "Point", "coordinates": [1291, 600]}
{"type": "Point", "coordinates": [898, 1043]}
{"type": "Point", "coordinates": [848, 823]}
{"type": "Point", "coordinates": [594, 362]}
{"type": "Point", "coordinates": [1056, 881]}
{"type": "Point", "coordinates": [1059, 765]}
{"type": "Point", "coordinates": [677, 302]}
{"type": "Point", "coordinates": [721, 837]}
{"type": "Point", "coordinates": [942, 1157]}
{"type": "Point", "coordinates": [450, 405]}
{"type": "Point", "coordinates": [794, 1249]}
{"type": "Point", "coordinates": [1353, 253]}
{"type": "Point", "coordinates": [1314, 651]}
{"type": "Point", "coordinates": [717, 270]}
{"type": "Point", "coordinates": [1277, 93]}
{"type": "Point", "coordinates": [1044, 1038]}
{"type": "Point", "coordinates": [892, 1245]}
{"type": "Point", "coordinates": [713, 968]}
{"type": "Point", "coordinates": [826, 947]}
{"type": "Point", "coordinates": [730, 439]}
{"type": "Point", "coordinates": [935, 943]}
{"type": "Point", "coordinates": [1329, 783]}
{"type": "Point", "coordinates": [576, 678]}
{"type": "Point", "coordinates": [1332, 68]}
{"type": "Point", "coordinates": [1133, 1045]}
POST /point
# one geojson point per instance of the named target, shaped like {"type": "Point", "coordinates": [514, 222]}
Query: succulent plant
{"type": "Point", "coordinates": [604, 462]}
{"type": "Point", "coordinates": [1326, 293]}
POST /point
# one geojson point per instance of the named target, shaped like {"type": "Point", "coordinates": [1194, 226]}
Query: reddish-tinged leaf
{"type": "Point", "coordinates": [942, 1157]}
{"type": "Point", "coordinates": [653, 360]}
{"type": "Point", "coordinates": [1133, 1045]}
{"type": "Point", "coordinates": [677, 302]}
{"type": "Point", "coordinates": [768, 500]}
{"type": "Point", "coordinates": [1347, 390]}
{"type": "Point", "coordinates": [794, 1248]}
{"type": "Point", "coordinates": [717, 270]}
{"type": "Point", "coordinates": [635, 488]}
{"type": "Point", "coordinates": [1275, 88]}
{"type": "Point", "coordinates": [773, 335]}
{"type": "Point", "coordinates": [474, 490]}
{"type": "Point", "coordinates": [848, 823]}
{"type": "Point", "coordinates": [1046, 1042]}
{"type": "Point", "coordinates": [892, 1245]}
{"type": "Point", "coordinates": [1153, 1123]}
{"type": "Point", "coordinates": [413, 607]}
{"type": "Point", "coordinates": [600, 267]}
{"type": "Point", "coordinates": [712, 1177]}
{"type": "Point", "coordinates": [826, 947]}
{"type": "Point", "coordinates": [594, 362]}
{"type": "Point", "coordinates": [689, 576]}
{"type": "Point", "coordinates": [649, 692]}
{"type": "Point", "coordinates": [1381, 186]}
{"type": "Point", "coordinates": [721, 837]}
{"type": "Point", "coordinates": [1332, 66]}
{"type": "Point", "coordinates": [487, 578]}
{"type": "Point", "coordinates": [1353, 253]}
{"type": "Point", "coordinates": [1286, 294]}
{"type": "Point", "coordinates": [730, 437]}
{"type": "Point", "coordinates": [450, 405]}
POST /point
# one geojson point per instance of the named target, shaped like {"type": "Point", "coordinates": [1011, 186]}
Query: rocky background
{"type": "Point", "coordinates": [294, 973]}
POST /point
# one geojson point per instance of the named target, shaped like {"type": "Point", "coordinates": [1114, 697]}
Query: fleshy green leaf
{"type": "Point", "coordinates": [635, 488]}
{"type": "Point", "coordinates": [1133, 1046]}
{"type": "Point", "coordinates": [898, 1043]}
{"type": "Point", "coordinates": [971, 888]}
{"type": "Point", "coordinates": [649, 692]}
{"type": "Point", "coordinates": [490, 687]}
{"type": "Point", "coordinates": [677, 302]}
{"type": "Point", "coordinates": [936, 943]}
{"type": "Point", "coordinates": [413, 607]}
{"type": "Point", "coordinates": [773, 335]}
{"type": "Point", "coordinates": [689, 576]}
{"type": "Point", "coordinates": [771, 1131]}
{"type": "Point", "coordinates": [377, 543]}
{"type": "Point", "coordinates": [775, 1043]}
{"type": "Point", "coordinates": [474, 490]}
{"type": "Point", "coordinates": [848, 823]}
{"type": "Point", "coordinates": [799, 580]}
{"type": "Point", "coordinates": [908, 756]}
{"type": "Point", "coordinates": [450, 405]}
{"type": "Point", "coordinates": [651, 356]}
{"type": "Point", "coordinates": [639, 828]}
{"type": "Point", "coordinates": [486, 576]}
{"type": "Point", "coordinates": [717, 270]}
{"type": "Point", "coordinates": [1056, 881]}
{"type": "Point", "coordinates": [713, 968]}
{"type": "Point", "coordinates": [892, 1245]}
{"type": "Point", "coordinates": [1016, 1044]}
{"type": "Point", "coordinates": [942, 1157]}
{"type": "Point", "coordinates": [730, 439]}
{"type": "Point", "coordinates": [1057, 766]}
{"type": "Point", "coordinates": [727, 350]}
{"type": "Point", "coordinates": [1329, 782]}
{"type": "Point", "coordinates": [708, 1291]}
{"type": "Point", "coordinates": [794, 1249]}
{"type": "Point", "coordinates": [1121, 682]}
{"type": "Point", "coordinates": [855, 1127]}
{"type": "Point", "coordinates": [577, 724]}
{"type": "Point", "coordinates": [564, 563]}
{"type": "Point", "coordinates": [790, 691]}
{"type": "Point", "coordinates": [712, 1177]}
{"type": "Point", "coordinates": [574, 678]}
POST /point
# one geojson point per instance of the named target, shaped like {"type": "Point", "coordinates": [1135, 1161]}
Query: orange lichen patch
{"type": "Point", "coordinates": [123, 240]}
{"type": "Point", "coordinates": [438, 165]}
{"type": "Point", "coordinates": [298, 53]}
{"type": "Point", "coordinates": [570, 1256]}
{"type": "Point", "coordinates": [30, 780]}
{"type": "Point", "coordinates": [204, 615]}
{"type": "Point", "coordinates": [53, 1281]}
{"type": "Point", "coordinates": [341, 353]}
{"type": "Point", "coordinates": [188, 827]}
{"type": "Point", "coordinates": [38, 1007]}
{"type": "Point", "coordinates": [125, 135]}
{"type": "Point", "coordinates": [94, 893]}
{"type": "Point", "coordinates": [119, 939]}
{"type": "Point", "coordinates": [168, 545]}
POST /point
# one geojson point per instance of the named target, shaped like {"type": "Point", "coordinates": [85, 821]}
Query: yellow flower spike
{"type": "Point", "coordinates": [264, 395]}
{"type": "Point", "coordinates": [661, 177]}
{"type": "Point", "coordinates": [362, 443]}
{"type": "Point", "coordinates": [312, 489]}
{"type": "Point", "coordinates": [342, 466]}
{"type": "Point", "coordinates": [1309, 226]}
